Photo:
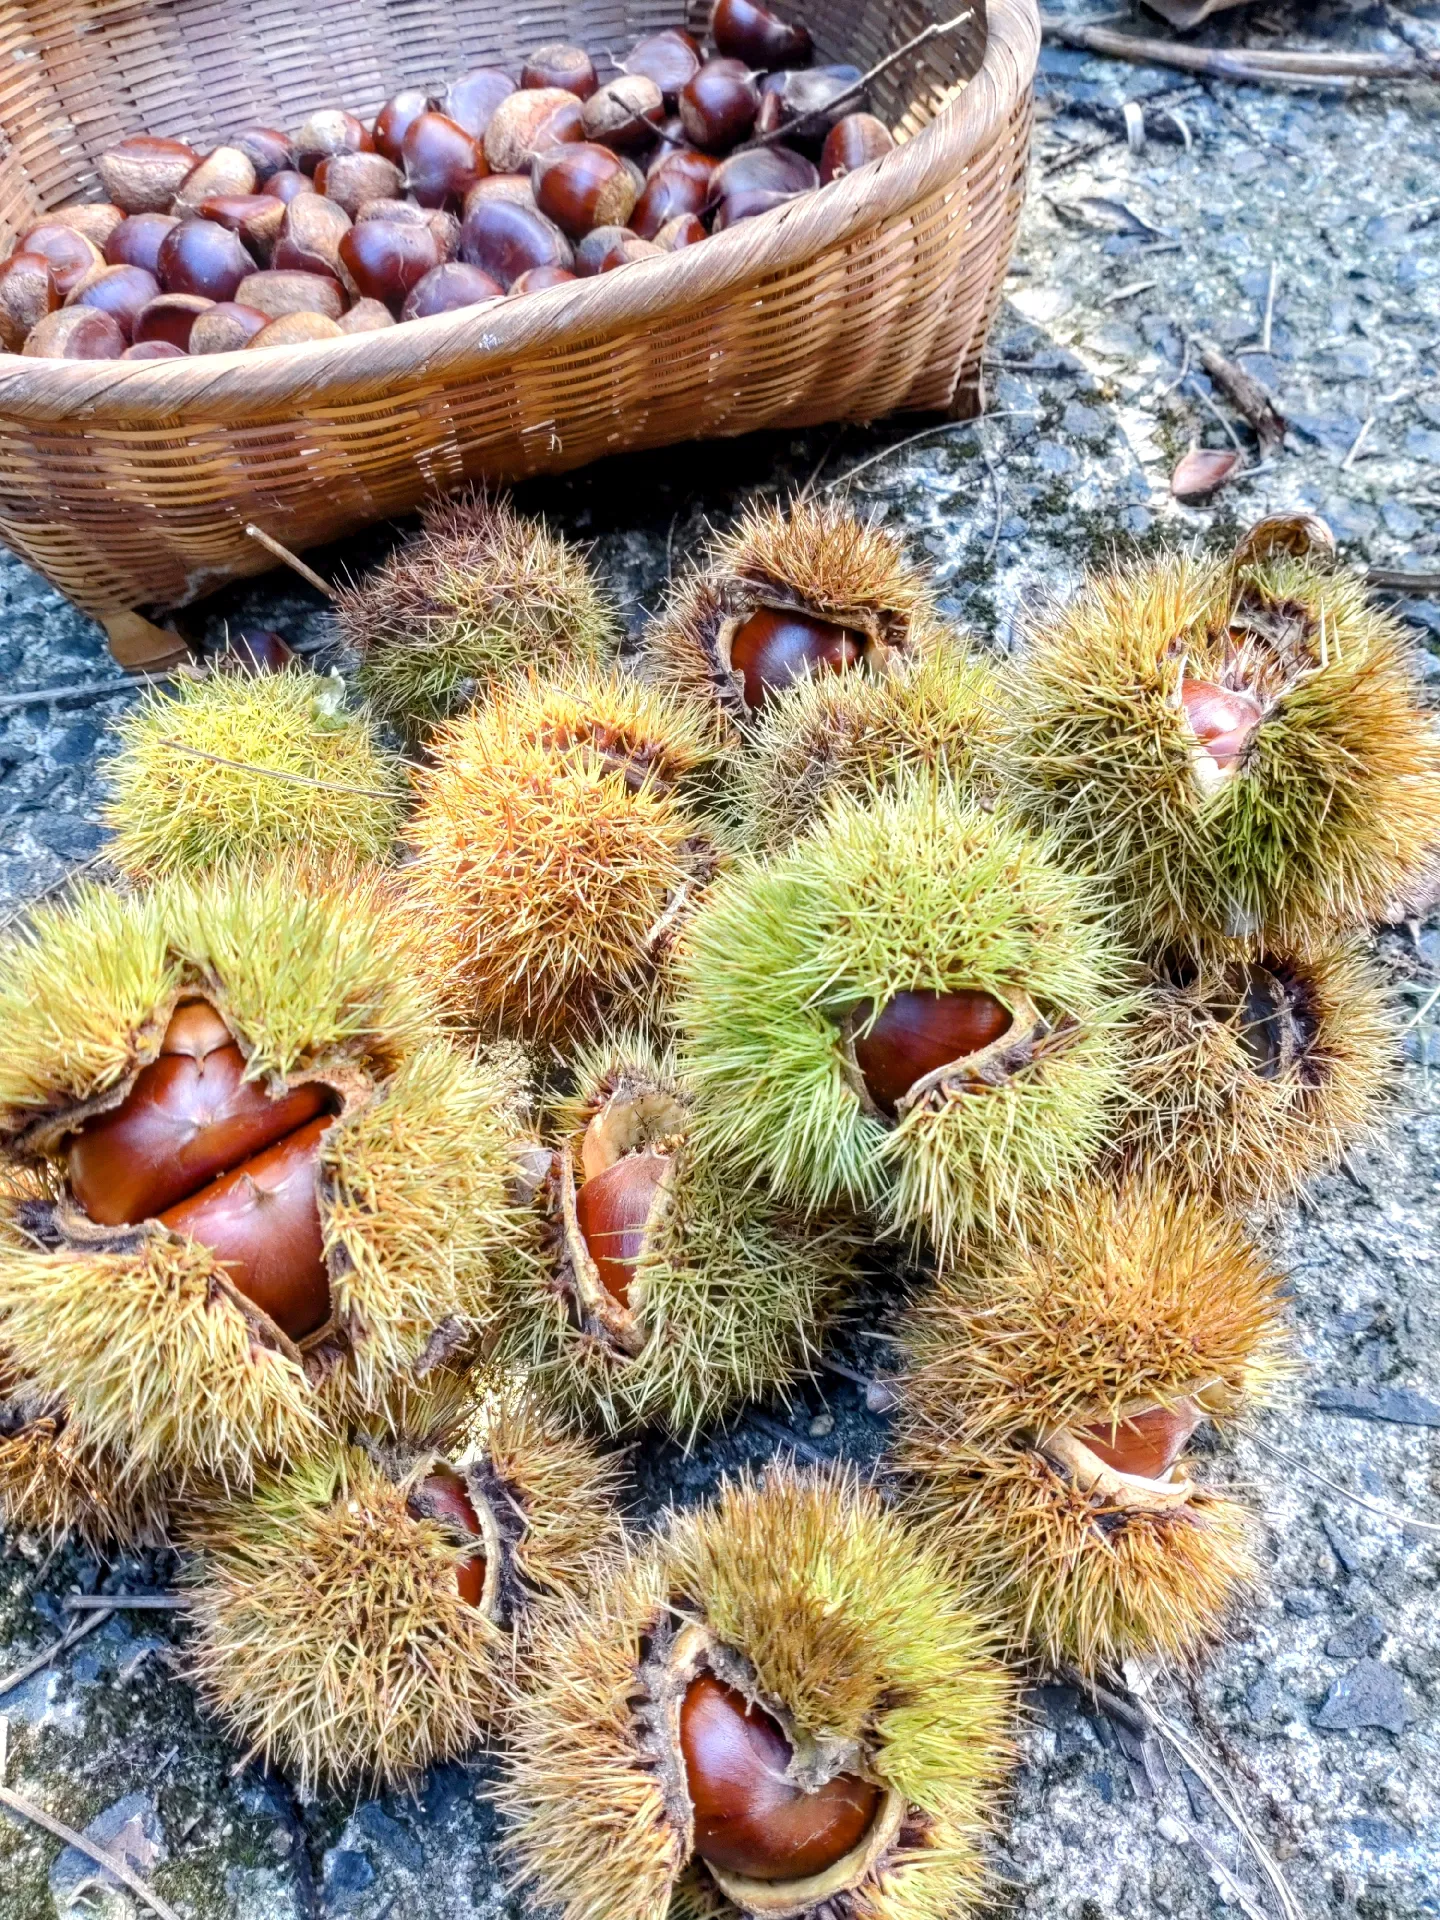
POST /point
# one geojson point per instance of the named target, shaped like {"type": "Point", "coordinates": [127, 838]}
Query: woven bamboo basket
{"type": "Point", "coordinates": [130, 485]}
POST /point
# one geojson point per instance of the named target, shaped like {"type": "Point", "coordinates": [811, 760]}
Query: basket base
{"type": "Point", "coordinates": [138, 645]}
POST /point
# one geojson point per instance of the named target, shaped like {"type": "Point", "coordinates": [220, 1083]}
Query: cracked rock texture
{"type": "Point", "coordinates": [1297, 231]}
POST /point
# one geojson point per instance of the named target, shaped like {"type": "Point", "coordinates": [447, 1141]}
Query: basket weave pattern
{"type": "Point", "coordinates": [130, 484]}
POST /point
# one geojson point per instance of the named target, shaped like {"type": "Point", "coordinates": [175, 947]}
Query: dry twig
{"type": "Point", "coordinates": [71, 1637]}
{"type": "Point", "coordinates": [937, 30]}
{"type": "Point", "coordinates": [112, 1863]}
{"type": "Point", "coordinates": [1256, 67]}
{"type": "Point", "coordinates": [1246, 395]}
{"type": "Point", "coordinates": [291, 560]}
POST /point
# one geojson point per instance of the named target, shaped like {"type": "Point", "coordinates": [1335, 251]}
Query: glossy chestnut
{"type": "Point", "coordinates": [190, 1116]}
{"type": "Point", "coordinates": [277, 294]}
{"type": "Point", "coordinates": [451, 285]}
{"type": "Point", "coordinates": [153, 350]}
{"type": "Point", "coordinates": [528, 122]}
{"type": "Point", "coordinates": [669, 58]}
{"type": "Point", "coordinates": [809, 104]}
{"type": "Point", "coordinates": [919, 1032]}
{"type": "Point", "coordinates": [143, 174]}
{"type": "Point", "coordinates": [612, 1211]}
{"type": "Point", "coordinates": [559, 64]}
{"type": "Point", "coordinates": [267, 149]}
{"type": "Point", "coordinates": [773, 648]}
{"type": "Point", "coordinates": [584, 187]}
{"type": "Point", "coordinates": [225, 171]}
{"type": "Point", "coordinates": [624, 113]}
{"type": "Point", "coordinates": [171, 318]}
{"type": "Point", "coordinates": [443, 1495]}
{"type": "Point", "coordinates": [27, 293]}
{"type": "Point", "coordinates": [675, 188]}
{"type": "Point", "coordinates": [70, 254]}
{"type": "Point", "coordinates": [608, 248]}
{"type": "Point", "coordinates": [1221, 718]}
{"type": "Point", "coordinates": [75, 333]}
{"type": "Point", "coordinates": [395, 119]}
{"type": "Point", "coordinates": [505, 239]}
{"type": "Point", "coordinates": [385, 260]}
{"type": "Point", "coordinates": [853, 143]}
{"type": "Point", "coordinates": [1146, 1444]}
{"type": "Point", "coordinates": [136, 241]}
{"type": "Point", "coordinates": [285, 185]}
{"type": "Point", "coordinates": [471, 100]}
{"type": "Point", "coordinates": [537, 279]}
{"type": "Point", "coordinates": [202, 257]}
{"type": "Point", "coordinates": [718, 107]}
{"type": "Point", "coordinates": [686, 230]}
{"type": "Point", "coordinates": [748, 32]}
{"type": "Point", "coordinates": [365, 316]}
{"type": "Point", "coordinates": [119, 291]}
{"type": "Point", "coordinates": [250, 651]}
{"type": "Point", "coordinates": [256, 217]}
{"type": "Point", "coordinates": [296, 330]}
{"type": "Point", "coordinates": [96, 219]}
{"type": "Point", "coordinates": [749, 1818]}
{"type": "Point", "coordinates": [442, 161]}
{"type": "Point", "coordinates": [262, 1223]}
{"type": "Point", "coordinates": [330, 130]}
{"type": "Point", "coordinates": [226, 327]}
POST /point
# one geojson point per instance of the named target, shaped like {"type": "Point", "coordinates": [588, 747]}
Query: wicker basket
{"type": "Point", "coordinates": [130, 485]}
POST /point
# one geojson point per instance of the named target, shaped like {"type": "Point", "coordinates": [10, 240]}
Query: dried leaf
{"type": "Point", "coordinates": [1203, 471]}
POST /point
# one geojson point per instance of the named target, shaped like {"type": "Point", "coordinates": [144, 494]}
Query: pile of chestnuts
{"type": "Point", "coordinates": [496, 187]}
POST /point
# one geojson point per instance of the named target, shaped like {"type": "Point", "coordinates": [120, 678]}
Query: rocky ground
{"type": "Point", "coordinates": [1295, 230]}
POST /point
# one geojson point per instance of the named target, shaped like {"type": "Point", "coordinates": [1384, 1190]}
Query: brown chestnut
{"type": "Point", "coordinates": [285, 185]}
{"type": "Point", "coordinates": [624, 113]}
{"type": "Point", "coordinates": [154, 350]}
{"type": "Point", "coordinates": [677, 187]}
{"type": "Point", "coordinates": [296, 330]}
{"type": "Point", "coordinates": [718, 107]}
{"type": "Point", "coordinates": [505, 240]}
{"type": "Point", "coordinates": [1146, 1444]}
{"type": "Point", "coordinates": [610, 247]}
{"type": "Point", "coordinates": [748, 32]}
{"type": "Point", "coordinates": [558, 64]}
{"type": "Point", "coordinates": [119, 291]}
{"type": "Point", "coordinates": [254, 650]}
{"type": "Point", "coordinates": [442, 161]}
{"type": "Point", "coordinates": [669, 58]}
{"type": "Point", "coordinates": [385, 259]}
{"type": "Point", "coordinates": [350, 179]}
{"type": "Point", "coordinates": [171, 318]}
{"type": "Point", "coordinates": [750, 1818]}
{"type": "Point", "coordinates": [527, 123]}
{"type": "Point", "coordinates": [537, 279]}
{"type": "Point", "coordinates": [277, 294]}
{"type": "Point", "coordinates": [225, 171]}
{"type": "Point", "coordinates": [447, 287]}
{"type": "Point", "coordinates": [612, 1211]}
{"type": "Point", "coordinates": [808, 105]}
{"type": "Point", "coordinates": [1221, 718]}
{"type": "Point", "coordinates": [200, 256]}
{"type": "Point", "coordinates": [503, 186]}
{"type": "Point", "coordinates": [262, 1222]}
{"type": "Point", "coordinates": [190, 1116]}
{"type": "Point", "coordinates": [443, 1495]}
{"type": "Point", "coordinates": [331, 130]}
{"type": "Point", "coordinates": [395, 118]}
{"type": "Point", "coordinates": [471, 100]}
{"type": "Point", "coordinates": [75, 333]}
{"type": "Point", "coordinates": [226, 327]}
{"type": "Point", "coordinates": [366, 316]}
{"type": "Point", "coordinates": [685, 230]}
{"type": "Point", "coordinates": [96, 219]}
{"type": "Point", "coordinates": [136, 241]}
{"type": "Point", "coordinates": [583, 187]}
{"type": "Point", "coordinates": [70, 254]}
{"type": "Point", "coordinates": [27, 293]}
{"type": "Point", "coordinates": [1265, 1017]}
{"type": "Point", "coordinates": [853, 143]}
{"type": "Point", "coordinates": [267, 149]}
{"type": "Point", "coordinates": [256, 217]}
{"type": "Point", "coordinates": [310, 236]}
{"type": "Point", "coordinates": [919, 1032]}
{"type": "Point", "coordinates": [772, 648]}
{"type": "Point", "coordinates": [143, 174]}
{"type": "Point", "coordinates": [759, 178]}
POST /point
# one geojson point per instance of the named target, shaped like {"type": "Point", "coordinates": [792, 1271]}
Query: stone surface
{"type": "Point", "coordinates": [1094, 398]}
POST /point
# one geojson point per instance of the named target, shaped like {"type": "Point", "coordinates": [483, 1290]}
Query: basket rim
{"type": "Point", "coordinates": [236, 386]}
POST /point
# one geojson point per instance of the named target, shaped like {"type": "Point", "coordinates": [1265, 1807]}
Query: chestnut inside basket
{"type": "Point", "coordinates": [130, 485]}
